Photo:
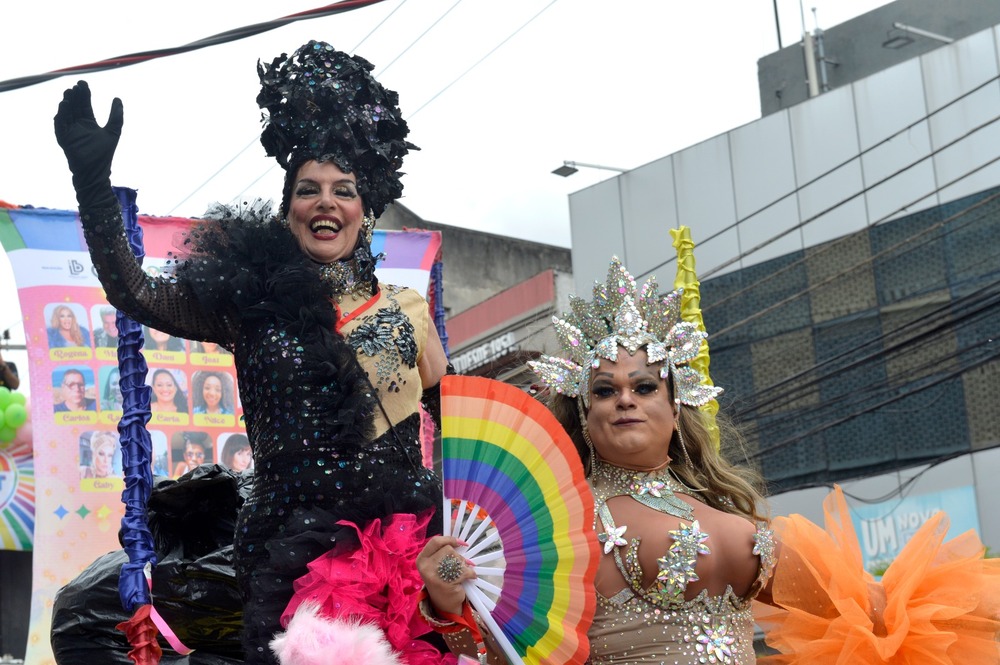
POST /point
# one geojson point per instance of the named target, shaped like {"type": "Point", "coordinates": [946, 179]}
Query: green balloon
{"type": "Point", "coordinates": [4, 397]}
{"type": "Point", "coordinates": [15, 415]}
{"type": "Point", "coordinates": [18, 398]}
{"type": "Point", "coordinates": [7, 434]}
{"type": "Point", "coordinates": [3, 418]}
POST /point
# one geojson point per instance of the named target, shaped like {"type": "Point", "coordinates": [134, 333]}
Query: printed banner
{"type": "Point", "coordinates": [17, 491]}
{"type": "Point", "coordinates": [76, 403]}
{"type": "Point", "coordinates": [884, 528]}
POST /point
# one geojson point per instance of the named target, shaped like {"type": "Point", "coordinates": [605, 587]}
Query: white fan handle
{"type": "Point", "coordinates": [477, 599]}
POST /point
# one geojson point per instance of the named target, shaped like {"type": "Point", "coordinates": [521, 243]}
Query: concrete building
{"type": "Point", "coordinates": [866, 45]}
{"type": "Point", "coordinates": [500, 294]}
{"type": "Point", "coordinates": [497, 337]}
{"type": "Point", "coordinates": [479, 265]}
{"type": "Point", "coordinates": [849, 278]}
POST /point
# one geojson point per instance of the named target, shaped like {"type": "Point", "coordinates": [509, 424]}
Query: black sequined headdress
{"type": "Point", "coordinates": [324, 104]}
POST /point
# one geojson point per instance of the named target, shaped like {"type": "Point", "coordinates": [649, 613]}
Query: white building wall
{"type": "Point", "coordinates": [852, 157]}
{"type": "Point", "coordinates": [911, 137]}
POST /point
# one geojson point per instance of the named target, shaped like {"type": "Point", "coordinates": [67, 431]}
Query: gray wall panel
{"type": "Point", "coordinates": [597, 232]}
{"type": "Point", "coordinates": [704, 182]}
{"type": "Point", "coordinates": [650, 210]}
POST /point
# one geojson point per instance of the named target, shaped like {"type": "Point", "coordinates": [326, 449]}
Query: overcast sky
{"type": "Point", "coordinates": [619, 83]}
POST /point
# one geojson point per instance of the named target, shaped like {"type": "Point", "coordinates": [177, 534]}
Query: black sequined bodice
{"type": "Point", "coordinates": [307, 402]}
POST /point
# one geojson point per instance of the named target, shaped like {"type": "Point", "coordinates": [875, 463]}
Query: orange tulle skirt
{"type": "Point", "coordinates": [937, 604]}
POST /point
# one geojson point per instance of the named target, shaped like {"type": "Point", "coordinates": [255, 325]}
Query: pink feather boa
{"type": "Point", "coordinates": [361, 605]}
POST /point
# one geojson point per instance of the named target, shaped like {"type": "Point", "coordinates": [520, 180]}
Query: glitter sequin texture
{"type": "Point", "coordinates": [341, 113]}
{"type": "Point", "coordinates": [308, 407]}
{"type": "Point", "coordinates": [621, 315]}
{"type": "Point", "coordinates": [657, 624]}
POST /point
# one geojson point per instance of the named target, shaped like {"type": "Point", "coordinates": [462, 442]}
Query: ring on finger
{"type": "Point", "coordinates": [450, 568]}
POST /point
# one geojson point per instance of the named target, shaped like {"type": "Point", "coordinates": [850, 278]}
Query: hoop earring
{"type": "Point", "coordinates": [586, 434]}
{"type": "Point", "coordinates": [680, 437]}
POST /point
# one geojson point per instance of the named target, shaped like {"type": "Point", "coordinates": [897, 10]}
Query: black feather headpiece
{"type": "Point", "coordinates": [323, 104]}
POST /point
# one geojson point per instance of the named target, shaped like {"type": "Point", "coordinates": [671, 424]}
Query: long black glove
{"type": "Point", "coordinates": [89, 148]}
{"type": "Point", "coordinates": [431, 398]}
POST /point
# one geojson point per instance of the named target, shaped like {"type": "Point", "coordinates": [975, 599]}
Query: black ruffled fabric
{"type": "Point", "coordinates": [308, 406]}
{"type": "Point", "coordinates": [243, 282]}
{"type": "Point", "coordinates": [243, 258]}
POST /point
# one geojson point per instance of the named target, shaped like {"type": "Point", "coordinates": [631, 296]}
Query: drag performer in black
{"type": "Point", "coordinates": [332, 364]}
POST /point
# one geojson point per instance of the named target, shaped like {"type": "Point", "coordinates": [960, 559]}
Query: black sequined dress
{"type": "Point", "coordinates": [309, 406]}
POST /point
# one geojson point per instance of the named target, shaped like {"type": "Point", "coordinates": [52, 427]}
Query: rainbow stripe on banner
{"type": "Point", "coordinates": [27, 233]}
{"type": "Point", "coordinates": [17, 495]}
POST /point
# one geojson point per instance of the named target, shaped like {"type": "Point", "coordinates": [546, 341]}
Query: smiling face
{"type": "Point", "coordinates": [160, 338]}
{"type": "Point", "coordinates": [66, 318]}
{"type": "Point", "coordinates": [102, 460]}
{"type": "Point", "coordinates": [211, 392]}
{"type": "Point", "coordinates": [631, 417]}
{"type": "Point", "coordinates": [108, 324]}
{"type": "Point", "coordinates": [164, 388]}
{"type": "Point", "coordinates": [325, 211]}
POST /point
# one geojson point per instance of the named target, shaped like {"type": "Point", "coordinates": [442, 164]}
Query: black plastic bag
{"type": "Point", "coordinates": [192, 521]}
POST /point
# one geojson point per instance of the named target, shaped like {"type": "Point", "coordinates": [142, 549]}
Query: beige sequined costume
{"type": "Point", "coordinates": [656, 623]}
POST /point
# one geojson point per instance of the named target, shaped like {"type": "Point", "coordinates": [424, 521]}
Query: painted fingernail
{"type": "Point", "coordinates": [470, 562]}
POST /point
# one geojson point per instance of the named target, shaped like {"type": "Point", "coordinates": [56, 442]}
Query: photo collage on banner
{"type": "Point", "coordinates": [194, 404]}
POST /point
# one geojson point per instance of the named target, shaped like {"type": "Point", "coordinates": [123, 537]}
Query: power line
{"type": "Point", "coordinates": [832, 169]}
{"type": "Point", "coordinates": [220, 38]}
{"type": "Point", "coordinates": [211, 177]}
{"type": "Point", "coordinates": [794, 384]}
{"type": "Point", "coordinates": [830, 246]}
{"type": "Point", "coordinates": [973, 310]}
{"type": "Point", "coordinates": [909, 341]}
{"type": "Point", "coordinates": [799, 437]}
{"type": "Point", "coordinates": [950, 317]}
{"type": "Point", "coordinates": [422, 106]}
{"type": "Point", "coordinates": [419, 37]}
{"type": "Point", "coordinates": [895, 353]}
{"type": "Point", "coordinates": [828, 280]}
{"type": "Point", "coordinates": [942, 323]}
{"type": "Point", "coordinates": [480, 61]}
{"type": "Point", "coordinates": [377, 26]}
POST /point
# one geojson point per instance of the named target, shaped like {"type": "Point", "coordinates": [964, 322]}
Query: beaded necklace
{"type": "Point", "coordinates": [655, 489]}
{"type": "Point", "coordinates": [353, 277]}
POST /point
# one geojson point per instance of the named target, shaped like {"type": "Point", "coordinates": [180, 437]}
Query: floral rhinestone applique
{"type": "Point", "coordinates": [715, 642]}
{"type": "Point", "coordinates": [611, 537]}
{"type": "Point", "coordinates": [677, 565]}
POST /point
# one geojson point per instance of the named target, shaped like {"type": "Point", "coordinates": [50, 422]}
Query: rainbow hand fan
{"type": "Point", "coordinates": [515, 490]}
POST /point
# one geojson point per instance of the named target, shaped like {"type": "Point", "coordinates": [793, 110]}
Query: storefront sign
{"type": "Point", "coordinates": [485, 353]}
{"type": "Point", "coordinates": [884, 528]}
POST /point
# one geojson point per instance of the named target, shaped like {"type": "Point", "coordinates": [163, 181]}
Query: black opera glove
{"type": "Point", "coordinates": [89, 148]}
{"type": "Point", "coordinates": [431, 399]}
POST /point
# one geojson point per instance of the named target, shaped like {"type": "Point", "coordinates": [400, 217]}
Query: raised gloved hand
{"type": "Point", "coordinates": [89, 148]}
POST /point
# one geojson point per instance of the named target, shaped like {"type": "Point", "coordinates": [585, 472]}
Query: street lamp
{"type": "Point", "coordinates": [568, 168]}
{"type": "Point", "coordinates": [899, 41]}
